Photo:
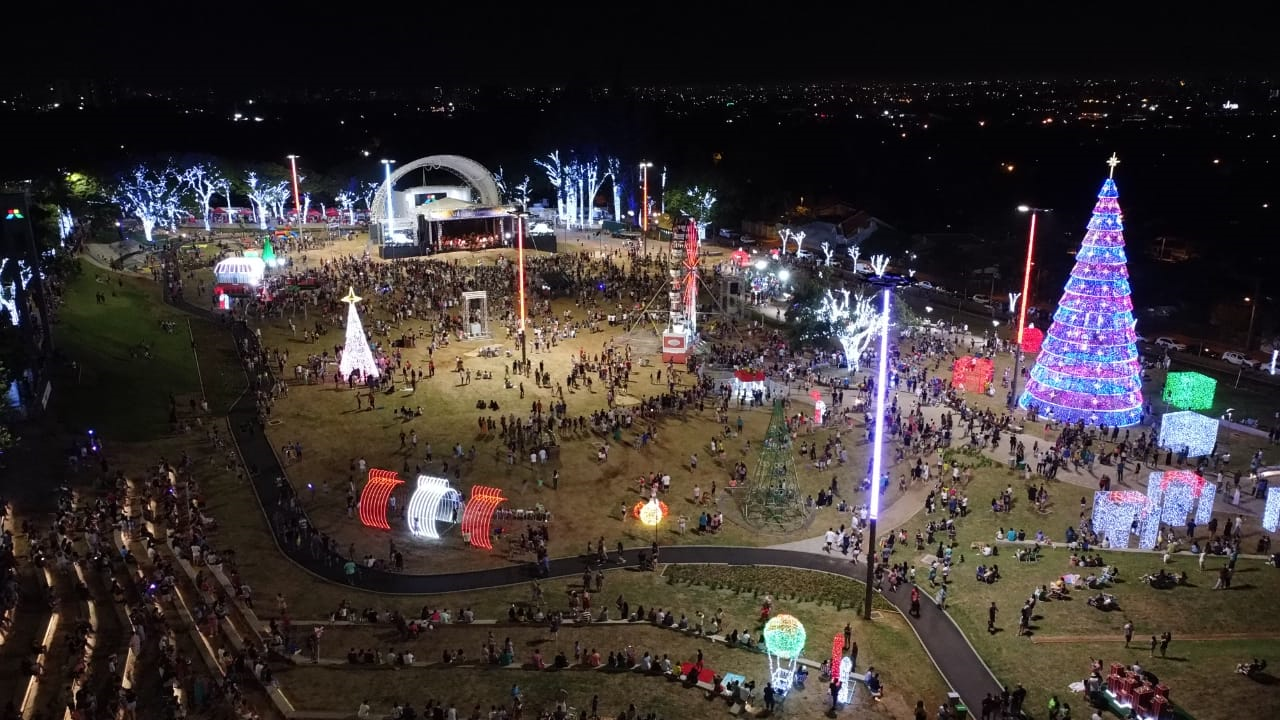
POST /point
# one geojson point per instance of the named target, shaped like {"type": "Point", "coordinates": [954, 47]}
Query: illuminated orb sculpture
{"type": "Point", "coordinates": [1032, 339]}
{"type": "Point", "coordinates": [1175, 494]}
{"type": "Point", "coordinates": [374, 497]}
{"type": "Point", "coordinates": [650, 513]}
{"type": "Point", "coordinates": [477, 515]}
{"type": "Point", "coordinates": [1089, 369]}
{"type": "Point", "coordinates": [1114, 515]}
{"type": "Point", "coordinates": [1189, 390]}
{"type": "Point", "coordinates": [784, 638]}
{"type": "Point", "coordinates": [973, 374]}
{"type": "Point", "coordinates": [433, 502]}
{"type": "Point", "coordinates": [1188, 432]}
{"type": "Point", "coordinates": [1271, 513]}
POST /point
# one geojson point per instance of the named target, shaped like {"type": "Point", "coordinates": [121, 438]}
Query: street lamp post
{"type": "Point", "coordinates": [297, 203]}
{"type": "Point", "coordinates": [386, 165]}
{"type": "Point", "coordinates": [520, 216]}
{"type": "Point", "coordinates": [1022, 308]}
{"type": "Point", "coordinates": [1253, 311]}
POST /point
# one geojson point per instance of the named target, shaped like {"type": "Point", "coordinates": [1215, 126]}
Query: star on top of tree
{"type": "Point", "coordinates": [351, 296]}
{"type": "Point", "coordinates": [1112, 162]}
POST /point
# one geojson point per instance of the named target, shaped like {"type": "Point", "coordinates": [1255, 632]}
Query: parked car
{"type": "Point", "coordinates": [1202, 350]}
{"type": "Point", "coordinates": [1170, 344]}
{"type": "Point", "coordinates": [1239, 358]}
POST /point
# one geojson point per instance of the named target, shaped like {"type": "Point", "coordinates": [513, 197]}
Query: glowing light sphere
{"type": "Point", "coordinates": [784, 636]}
{"type": "Point", "coordinates": [1175, 494]}
{"type": "Point", "coordinates": [1088, 368]}
{"type": "Point", "coordinates": [1189, 390]}
{"type": "Point", "coordinates": [640, 506]}
{"type": "Point", "coordinates": [652, 512]}
{"type": "Point", "coordinates": [1271, 513]}
{"type": "Point", "coordinates": [1188, 432]}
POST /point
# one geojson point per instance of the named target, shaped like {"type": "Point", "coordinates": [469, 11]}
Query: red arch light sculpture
{"type": "Point", "coordinates": [373, 498]}
{"type": "Point", "coordinates": [477, 514]}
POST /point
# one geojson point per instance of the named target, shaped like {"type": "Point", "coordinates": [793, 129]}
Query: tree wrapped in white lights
{"type": "Point", "coordinates": [260, 197]}
{"type": "Point", "coordinates": [347, 204]}
{"type": "Point", "coordinates": [855, 252]}
{"type": "Point", "coordinates": [705, 200]}
{"type": "Point", "coordinates": [879, 264]}
{"type": "Point", "coordinates": [854, 324]}
{"type": "Point", "coordinates": [152, 196]}
{"type": "Point", "coordinates": [66, 223]}
{"type": "Point", "coordinates": [306, 207]}
{"type": "Point", "coordinates": [787, 235]}
{"type": "Point", "coordinates": [204, 181]}
{"type": "Point", "coordinates": [556, 177]}
{"type": "Point", "coordinates": [615, 179]}
{"type": "Point", "coordinates": [828, 251]}
{"type": "Point", "coordinates": [367, 193]}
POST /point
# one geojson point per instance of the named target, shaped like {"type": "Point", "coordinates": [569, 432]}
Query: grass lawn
{"type": "Point", "coordinates": [118, 392]}
{"type": "Point", "coordinates": [588, 501]}
{"type": "Point", "coordinates": [1198, 670]}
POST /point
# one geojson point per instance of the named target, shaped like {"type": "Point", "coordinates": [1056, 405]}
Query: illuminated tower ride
{"type": "Point", "coordinates": [682, 323]}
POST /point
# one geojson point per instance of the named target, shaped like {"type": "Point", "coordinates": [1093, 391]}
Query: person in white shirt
{"type": "Point", "coordinates": [364, 710]}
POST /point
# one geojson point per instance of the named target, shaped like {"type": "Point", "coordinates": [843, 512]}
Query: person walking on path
{"type": "Point", "coordinates": [942, 605]}
{"type": "Point", "coordinates": [991, 618]}
{"type": "Point", "coordinates": [1128, 632]}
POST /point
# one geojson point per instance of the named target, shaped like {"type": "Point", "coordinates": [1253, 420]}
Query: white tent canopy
{"type": "Point", "coordinates": [243, 270]}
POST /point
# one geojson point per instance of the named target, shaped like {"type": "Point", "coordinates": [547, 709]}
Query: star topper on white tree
{"type": "Point", "coordinates": [356, 354]}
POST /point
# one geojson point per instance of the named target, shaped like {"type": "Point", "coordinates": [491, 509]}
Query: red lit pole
{"type": "Point", "coordinates": [1022, 308]}
{"type": "Point", "coordinates": [297, 203]}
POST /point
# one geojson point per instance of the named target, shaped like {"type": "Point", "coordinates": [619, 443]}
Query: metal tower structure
{"type": "Point", "coordinates": [682, 322]}
{"type": "Point", "coordinates": [772, 497]}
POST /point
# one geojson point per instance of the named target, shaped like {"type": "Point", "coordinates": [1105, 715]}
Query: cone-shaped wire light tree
{"type": "Point", "coordinates": [356, 354]}
{"type": "Point", "coordinates": [1088, 368]}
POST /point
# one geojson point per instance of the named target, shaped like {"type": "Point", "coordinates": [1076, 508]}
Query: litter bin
{"type": "Point", "coordinates": [957, 706]}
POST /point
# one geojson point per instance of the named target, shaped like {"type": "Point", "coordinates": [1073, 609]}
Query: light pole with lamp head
{"type": "Point", "coordinates": [1253, 311]}
{"type": "Point", "coordinates": [297, 202]}
{"type": "Point", "coordinates": [644, 205]}
{"type": "Point", "coordinates": [1022, 308]}
{"type": "Point", "coordinates": [386, 165]}
{"type": "Point", "coordinates": [520, 215]}
{"type": "Point", "coordinates": [880, 264]}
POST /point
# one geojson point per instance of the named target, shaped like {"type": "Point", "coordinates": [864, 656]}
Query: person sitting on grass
{"type": "Point", "coordinates": [873, 683]}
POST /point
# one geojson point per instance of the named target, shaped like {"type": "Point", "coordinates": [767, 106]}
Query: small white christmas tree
{"type": "Point", "coordinates": [356, 354]}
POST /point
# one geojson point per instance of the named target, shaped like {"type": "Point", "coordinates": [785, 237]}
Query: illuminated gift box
{"type": "Point", "coordinates": [1116, 511]}
{"type": "Point", "coordinates": [1032, 339]}
{"type": "Point", "coordinates": [972, 373]}
{"type": "Point", "coordinates": [1189, 390]}
{"type": "Point", "coordinates": [1177, 493]}
{"type": "Point", "coordinates": [1188, 432]}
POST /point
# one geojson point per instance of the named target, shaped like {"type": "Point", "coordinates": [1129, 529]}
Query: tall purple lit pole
{"type": "Point", "coordinates": [877, 443]}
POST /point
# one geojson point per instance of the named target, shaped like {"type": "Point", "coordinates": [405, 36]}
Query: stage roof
{"type": "Point", "coordinates": [453, 209]}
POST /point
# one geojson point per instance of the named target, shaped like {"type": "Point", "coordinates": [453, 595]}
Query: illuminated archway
{"type": "Point", "coordinates": [477, 515]}
{"type": "Point", "coordinates": [432, 502]}
{"type": "Point", "coordinates": [374, 497]}
{"type": "Point", "coordinates": [465, 169]}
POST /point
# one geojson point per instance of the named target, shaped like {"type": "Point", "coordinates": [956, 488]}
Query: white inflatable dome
{"type": "Point", "coordinates": [244, 270]}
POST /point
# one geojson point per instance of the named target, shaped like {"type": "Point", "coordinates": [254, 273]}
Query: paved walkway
{"type": "Point", "coordinates": [950, 651]}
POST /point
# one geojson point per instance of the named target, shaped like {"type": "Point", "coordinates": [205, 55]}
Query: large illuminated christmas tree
{"type": "Point", "coordinates": [1088, 368]}
{"type": "Point", "coordinates": [356, 354]}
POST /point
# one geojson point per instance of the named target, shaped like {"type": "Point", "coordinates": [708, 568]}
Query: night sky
{"type": "Point", "coordinates": [641, 43]}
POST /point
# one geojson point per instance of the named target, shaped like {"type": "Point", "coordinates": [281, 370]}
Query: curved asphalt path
{"type": "Point", "coordinates": [950, 651]}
